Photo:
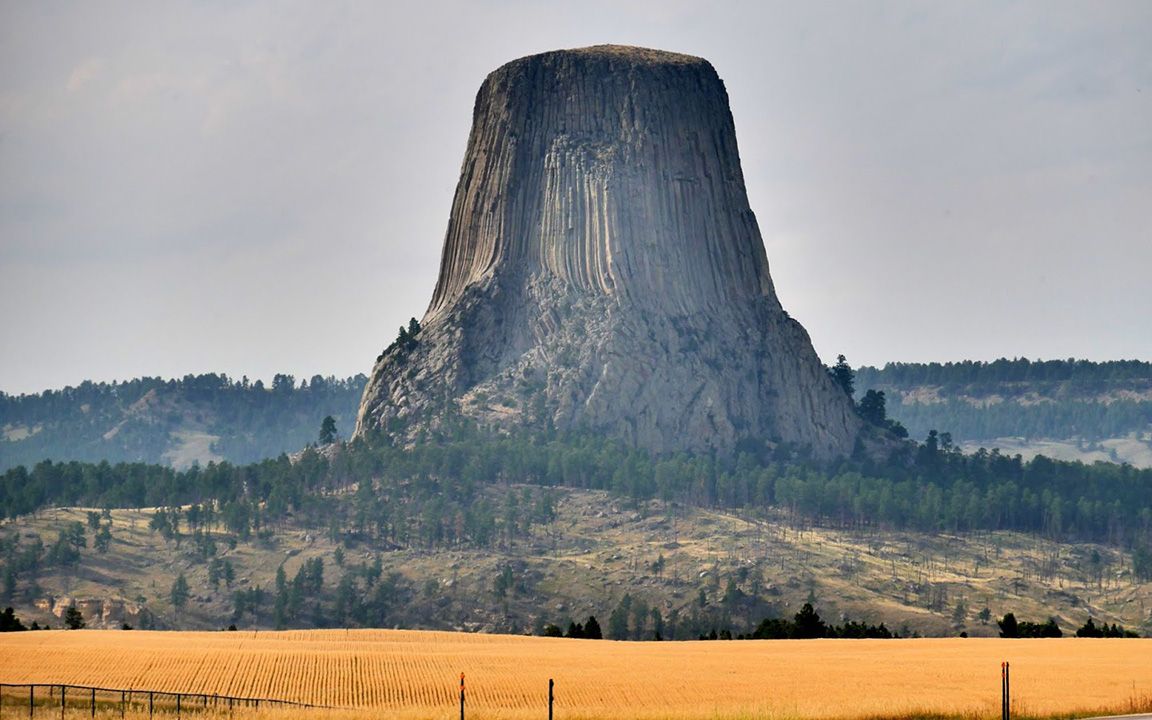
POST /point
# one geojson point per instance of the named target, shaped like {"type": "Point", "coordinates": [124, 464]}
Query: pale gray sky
{"type": "Point", "coordinates": [260, 187]}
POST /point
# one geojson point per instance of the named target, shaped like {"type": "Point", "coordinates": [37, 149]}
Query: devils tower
{"type": "Point", "coordinates": [603, 272]}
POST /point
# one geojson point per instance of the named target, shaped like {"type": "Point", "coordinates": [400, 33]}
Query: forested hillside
{"type": "Point", "coordinates": [198, 418]}
{"type": "Point", "coordinates": [404, 524]}
{"type": "Point", "coordinates": [1088, 410]}
{"type": "Point", "coordinates": [453, 531]}
{"type": "Point", "coordinates": [430, 493]}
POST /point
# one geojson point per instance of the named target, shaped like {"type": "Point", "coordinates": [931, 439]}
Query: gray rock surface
{"type": "Point", "coordinates": [602, 270]}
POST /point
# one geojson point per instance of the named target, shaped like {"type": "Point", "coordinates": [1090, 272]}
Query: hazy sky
{"type": "Point", "coordinates": [261, 187]}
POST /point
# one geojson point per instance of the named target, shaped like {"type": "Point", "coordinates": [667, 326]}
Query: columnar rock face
{"type": "Point", "coordinates": [603, 271]}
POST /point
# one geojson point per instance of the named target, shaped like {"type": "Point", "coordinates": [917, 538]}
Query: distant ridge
{"type": "Point", "coordinates": [197, 418]}
{"type": "Point", "coordinates": [1069, 409]}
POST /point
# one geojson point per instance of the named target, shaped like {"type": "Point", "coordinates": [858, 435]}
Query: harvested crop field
{"type": "Point", "coordinates": [416, 674]}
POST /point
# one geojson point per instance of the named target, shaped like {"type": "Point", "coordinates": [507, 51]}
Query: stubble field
{"type": "Point", "coordinates": [415, 674]}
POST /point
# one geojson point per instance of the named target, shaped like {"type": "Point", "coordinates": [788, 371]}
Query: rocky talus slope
{"type": "Point", "coordinates": [602, 270]}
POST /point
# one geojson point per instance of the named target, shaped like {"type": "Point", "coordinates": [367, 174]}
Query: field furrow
{"type": "Point", "coordinates": [417, 673]}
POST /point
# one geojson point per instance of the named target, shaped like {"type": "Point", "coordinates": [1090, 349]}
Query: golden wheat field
{"type": "Point", "coordinates": [416, 674]}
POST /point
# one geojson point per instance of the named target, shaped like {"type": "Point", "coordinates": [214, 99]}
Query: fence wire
{"type": "Point", "coordinates": [42, 699]}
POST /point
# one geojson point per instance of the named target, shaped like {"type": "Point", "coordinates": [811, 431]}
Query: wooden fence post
{"type": "Point", "coordinates": [1002, 675]}
{"type": "Point", "coordinates": [31, 700]}
{"type": "Point", "coordinates": [93, 702]}
{"type": "Point", "coordinates": [150, 698]}
{"type": "Point", "coordinates": [62, 702]}
{"type": "Point", "coordinates": [551, 697]}
{"type": "Point", "coordinates": [1007, 691]}
{"type": "Point", "coordinates": [461, 696]}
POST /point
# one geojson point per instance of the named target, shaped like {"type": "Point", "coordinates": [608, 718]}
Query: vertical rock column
{"type": "Point", "coordinates": [602, 271]}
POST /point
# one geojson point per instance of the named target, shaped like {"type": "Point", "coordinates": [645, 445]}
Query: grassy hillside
{"type": "Point", "coordinates": [701, 570]}
{"type": "Point", "coordinates": [1065, 409]}
{"type": "Point", "coordinates": [196, 419]}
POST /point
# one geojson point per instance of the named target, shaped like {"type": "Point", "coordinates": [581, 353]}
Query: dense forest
{"type": "Point", "coordinates": [430, 494]}
{"type": "Point", "coordinates": [153, 420]}
{"type": "Point", "coordinates": [1075, 400]}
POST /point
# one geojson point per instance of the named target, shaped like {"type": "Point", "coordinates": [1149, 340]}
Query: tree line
{"type": "Point", "coordinates": [252, 421]}
{"type": "Point", "coordinates": [1057, 399]}
{"type": "Point", "coordinates": [1010, 627]}
{"type": "Point", "coordinates": [1092, 376]}
{"type": "Point", "coordinates": [428, 494]}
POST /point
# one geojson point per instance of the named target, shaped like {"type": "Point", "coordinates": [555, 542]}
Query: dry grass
{"type": "Point", "coordinates": [415, 674]}
{"type": "Point", "coordinates": [600, 548]}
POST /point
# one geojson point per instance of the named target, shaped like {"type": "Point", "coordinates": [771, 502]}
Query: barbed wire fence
{"type": "Point", "coordinates": [43, 699]}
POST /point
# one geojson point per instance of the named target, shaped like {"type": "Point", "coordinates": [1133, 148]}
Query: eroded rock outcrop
{"type": "Point", "coordinates": [602, 270]}
{"type": "Point", "coordinates": [100, 612]}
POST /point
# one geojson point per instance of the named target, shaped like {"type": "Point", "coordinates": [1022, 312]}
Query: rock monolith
{"type": "Point", "coordinates": [603, 272]}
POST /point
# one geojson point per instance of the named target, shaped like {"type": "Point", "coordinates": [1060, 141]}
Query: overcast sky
{"type": "Point", "coordinates": [261, 187]}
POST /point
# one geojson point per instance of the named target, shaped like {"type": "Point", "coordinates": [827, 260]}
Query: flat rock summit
{"type": "Point", "coordinates": [602, 271]}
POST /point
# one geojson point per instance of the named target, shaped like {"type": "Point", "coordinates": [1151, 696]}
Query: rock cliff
{"type": "Point", "coordinates": [603, 271]}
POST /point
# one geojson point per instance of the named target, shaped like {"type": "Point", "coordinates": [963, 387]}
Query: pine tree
{"type": "Point", "coordinates": [1009, 628]}
{"type": "Point", "coordinates": [808, 624]}
{"type": "Point", "coordinates": [328, 431]}
{"type": "Point", "coordinates": [618, 620]}
{"type": "Point", "coordinates": [872, 408]}
{"type": "Point", "coordinates": [844, 376]}
{"type": "Point", "coordinates": [180, 591]}
{"type": "Point", "coordinates": [592, 629]}
{"type": "Point", "coordinates": [9, 622]}
{"type": "Point", "coordinates": [73, 618]}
